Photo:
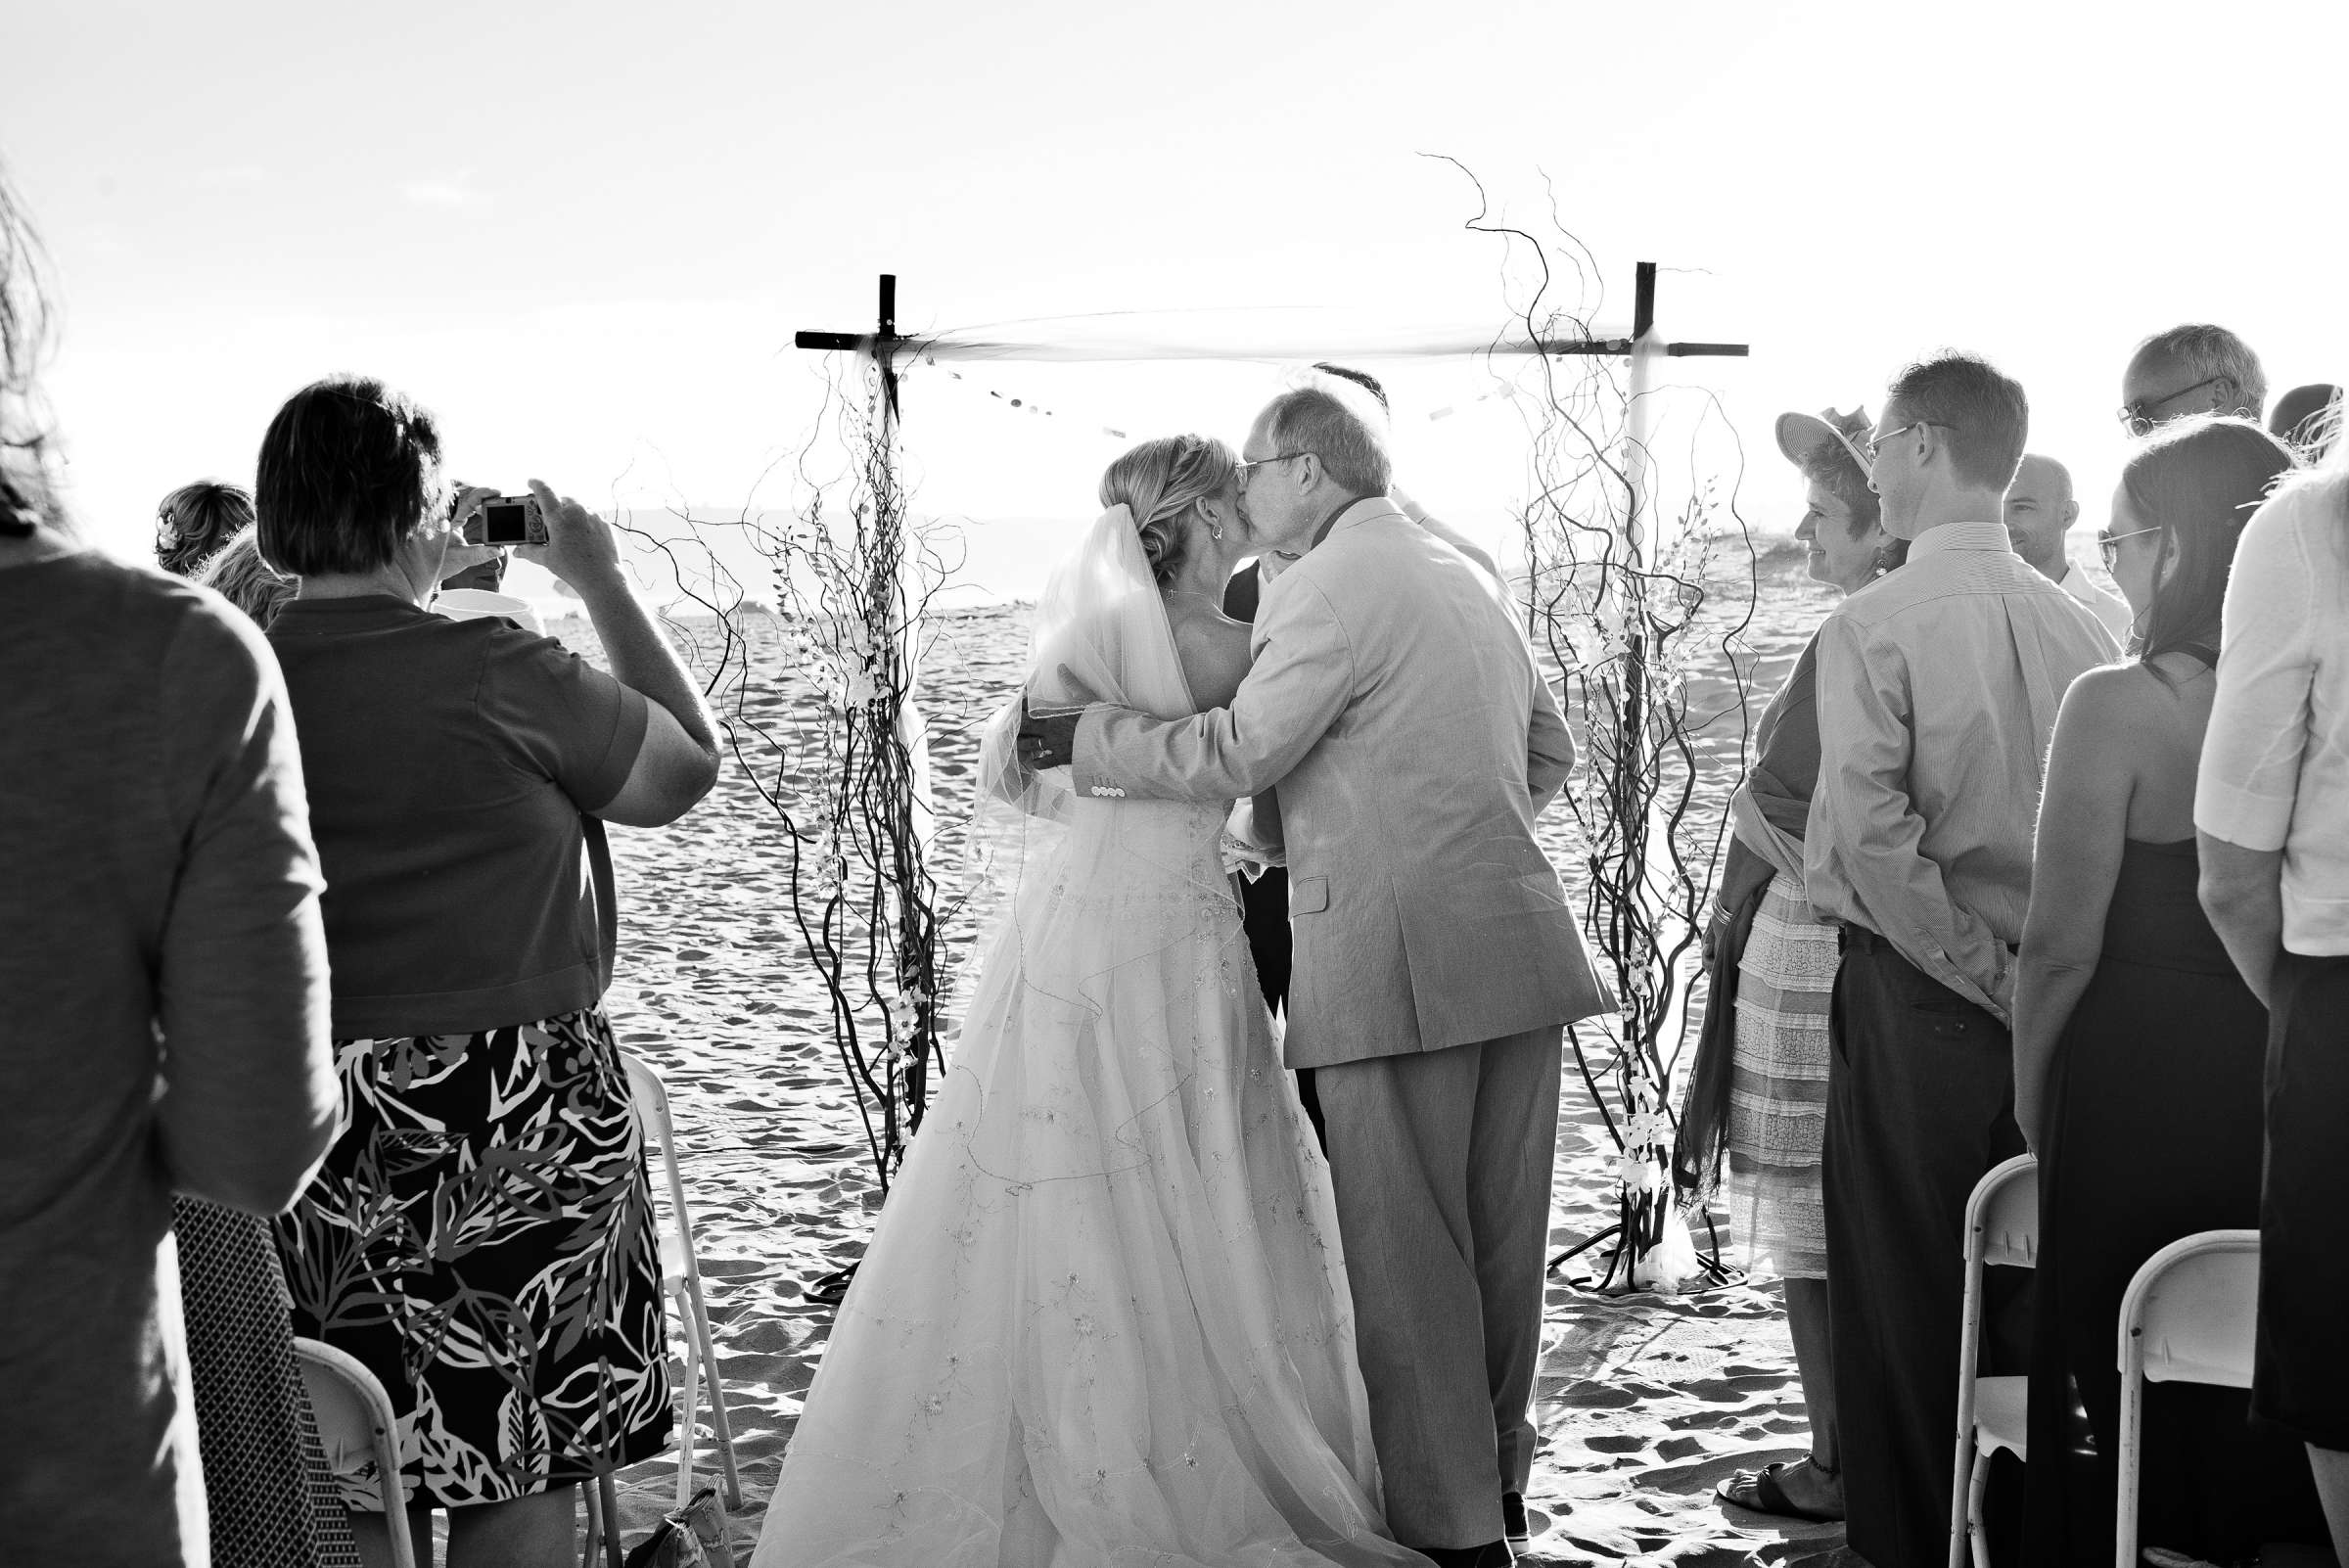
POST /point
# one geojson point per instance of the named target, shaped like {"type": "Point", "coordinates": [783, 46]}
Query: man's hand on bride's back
{"type": "Point", "coordinates": [1050, 739]}
{"type": "Point", "coordinates": [1047, 740]}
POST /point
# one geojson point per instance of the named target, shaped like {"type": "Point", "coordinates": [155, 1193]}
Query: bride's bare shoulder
{"type": "Point", "coordinates": [1214, 651]}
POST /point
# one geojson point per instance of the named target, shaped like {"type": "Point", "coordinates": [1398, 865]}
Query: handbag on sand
{"type": "Point", "coordinates": [692, 1537]}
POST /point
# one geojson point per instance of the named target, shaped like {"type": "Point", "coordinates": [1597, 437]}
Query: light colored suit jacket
{"type": "Point", "coordinates": [1398, 710]}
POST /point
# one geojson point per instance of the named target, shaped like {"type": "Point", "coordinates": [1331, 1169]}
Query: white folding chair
{"type": "Point", "coordinates": [682, 1275]}
{"type": "Point", "coordinates": [355, 1421]}
{"type": "Point", "coordinates": [2191, 1316]}
{"type": "Point", "coordinates": [2002, 1226]}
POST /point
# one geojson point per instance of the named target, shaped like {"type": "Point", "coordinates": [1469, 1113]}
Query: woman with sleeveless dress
{"type": "Point", "coordinates": [2138, 1048]}
{"type": "Point", "coordinates": [1102, 1319]}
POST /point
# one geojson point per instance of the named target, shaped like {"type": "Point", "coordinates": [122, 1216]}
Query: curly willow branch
{"type": "Point", "coordinates": [841, 766]}
{"type": "Point", "coordinates": [1619, 627]}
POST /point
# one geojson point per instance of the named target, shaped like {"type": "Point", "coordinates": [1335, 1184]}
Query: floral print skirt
{"type": "Point", "coordinates": [482, 1237]}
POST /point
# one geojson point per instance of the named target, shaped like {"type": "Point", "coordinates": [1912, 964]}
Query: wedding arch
{"type": "Point", "coordinates": [1618, 601]}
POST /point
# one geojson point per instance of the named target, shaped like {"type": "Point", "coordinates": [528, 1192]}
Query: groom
{"type": "Point", "coordinates": [1414, 741]}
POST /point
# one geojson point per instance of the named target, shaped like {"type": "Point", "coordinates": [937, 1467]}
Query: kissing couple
{"type": "Point", "coordinates": [1121, 1307]}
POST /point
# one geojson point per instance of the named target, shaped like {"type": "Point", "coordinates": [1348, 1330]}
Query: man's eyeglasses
{"type": "Point", "coordinates": [1876, 444]}
{"type": "Point", "coordinates": [1245, 470]}
{"type": "Point", "coordinates": [2108, 543]}
{"type": "Point", "coordinates": [2137, 417]}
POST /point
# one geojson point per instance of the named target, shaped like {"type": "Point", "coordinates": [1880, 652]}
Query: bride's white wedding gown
{"type": "Point", "coordinates": [1103, 1318]}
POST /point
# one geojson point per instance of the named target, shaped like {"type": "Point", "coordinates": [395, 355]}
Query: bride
{"type": "Point", "coordinates": [1103, 1318]}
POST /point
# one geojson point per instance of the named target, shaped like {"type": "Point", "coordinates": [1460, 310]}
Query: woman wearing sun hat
{"type": "Point", "coordinates": [1758, 1092]}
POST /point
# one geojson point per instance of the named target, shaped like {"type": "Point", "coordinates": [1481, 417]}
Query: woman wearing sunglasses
{"type": "Point", "coordinates": [2138, 1048]}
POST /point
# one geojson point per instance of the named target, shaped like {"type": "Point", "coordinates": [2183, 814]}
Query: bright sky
{"type": "Point", "coordinates": [583, 232]}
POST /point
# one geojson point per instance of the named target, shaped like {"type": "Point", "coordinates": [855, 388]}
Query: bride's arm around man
{"type": "Point", "coordinates": [1414, 741]}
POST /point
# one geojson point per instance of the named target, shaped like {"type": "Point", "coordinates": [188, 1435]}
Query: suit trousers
{"type": "Point", "coordinates": [1441, 1161]}
{"type": "Point", "coordinates": [1920, 1104]}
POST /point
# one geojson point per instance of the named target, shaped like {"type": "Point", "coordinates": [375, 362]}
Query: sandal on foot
{"type": "Point", "coordinates": [1760, 1492]}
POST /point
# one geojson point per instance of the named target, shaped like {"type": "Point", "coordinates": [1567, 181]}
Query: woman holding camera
{"type": "Point", "coordinates": [481, 1235]}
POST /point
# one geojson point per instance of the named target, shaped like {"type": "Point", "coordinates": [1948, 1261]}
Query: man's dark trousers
{"type": "Point", "coordinates": [1921, 1103]}
{"type": "Point", "coordinates": [1265, 901]}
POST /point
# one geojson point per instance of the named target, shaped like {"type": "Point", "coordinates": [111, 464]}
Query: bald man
{"type": "Point", "coordinates": [2040, 510]}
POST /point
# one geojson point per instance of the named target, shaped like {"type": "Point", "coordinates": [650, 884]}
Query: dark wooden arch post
{"type": "Point", "coordinates": [882, 743]}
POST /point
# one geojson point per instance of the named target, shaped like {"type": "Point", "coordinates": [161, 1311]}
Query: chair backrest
{"type": "Point", "coordinates": [651, 1097]}
{"type": "Point", "coordinates": [2003, 1213]}
{"type": "Point", "coordinates": [2193, 1308]}
{"type": "Point", "coordinates": [357, 1422]}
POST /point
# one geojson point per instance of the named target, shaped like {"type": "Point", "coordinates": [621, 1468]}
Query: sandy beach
{"type": "Point", "coordinates": [1645, 1403]}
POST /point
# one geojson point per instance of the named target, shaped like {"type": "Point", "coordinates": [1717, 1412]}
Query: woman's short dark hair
{"type": "Point", "coordinates": [195, 522]}
{"type": "Point", "coordinates": [347, 471]}
{"type": "Point", "coordinates": [2198, 481]}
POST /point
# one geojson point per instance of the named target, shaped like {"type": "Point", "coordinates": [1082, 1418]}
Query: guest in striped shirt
{"type": "Point", "coordinates": [1937, 692]}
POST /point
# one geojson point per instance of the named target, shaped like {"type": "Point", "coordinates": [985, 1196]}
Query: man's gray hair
{"type": "Point", "coordinates": [1319, 418]}
{"type": "Point", "coordinates": [2205, 351]}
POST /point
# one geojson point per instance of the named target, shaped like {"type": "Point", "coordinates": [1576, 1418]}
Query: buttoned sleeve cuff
{"type": "Point", "coordinates": [1089, 778]}
{"type": "Point", "coordinates": [1085, 761]}
{"type": "Point", "coordinates": [2242, 817]}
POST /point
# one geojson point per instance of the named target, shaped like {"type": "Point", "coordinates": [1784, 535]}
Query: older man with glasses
{"type": "Point", "coordinates": [1937, 695]}
{"type": "Point", "coordinates": [2191, 369]}
{"type": "Point", "coordinates": [1264, 901]}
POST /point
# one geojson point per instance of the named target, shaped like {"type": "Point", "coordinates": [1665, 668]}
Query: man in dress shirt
{"type": "Point", "coordinates": [1938, 686]}
{"type": "Point", "coordinates": [2040, 512]}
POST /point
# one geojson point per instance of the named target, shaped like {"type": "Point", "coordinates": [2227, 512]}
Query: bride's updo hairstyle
{"type": "Point", "coordinates": [1160, 481]}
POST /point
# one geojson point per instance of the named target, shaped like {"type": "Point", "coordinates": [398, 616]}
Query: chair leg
{"type": "Point", "coordinates": [2133, 1415]}
{"type": "Point", "coordinates": [1975, 1487]}
{"type": "Point", "coordinates": [720, 1425]}
{"type": "Point", "coordinates": [693, 1401]}
{"type": "Point", "coordinates": [611, 1501]}
{"type": "Point", "coordinates": [595, 1526]}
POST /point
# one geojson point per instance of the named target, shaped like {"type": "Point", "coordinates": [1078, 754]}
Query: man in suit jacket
{"type": "Point", "coordinates": [1413, 740]}
{"type": "Point", "coordinates": [1265, 898]}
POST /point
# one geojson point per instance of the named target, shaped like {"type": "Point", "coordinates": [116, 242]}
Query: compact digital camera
{"type": "Point", "coordinates": [507, 520]}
